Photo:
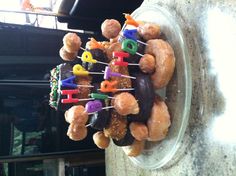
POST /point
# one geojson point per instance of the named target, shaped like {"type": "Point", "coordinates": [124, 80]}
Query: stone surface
{"type": "Point", "coordinates": [209, 144]}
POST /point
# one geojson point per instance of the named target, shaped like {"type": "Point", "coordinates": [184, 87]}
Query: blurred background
{"type": "Point", "coordinates": [33, 140]}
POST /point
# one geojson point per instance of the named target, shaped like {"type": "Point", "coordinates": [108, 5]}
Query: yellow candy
{"type": "Point", "coordinates": [87, 57]}
{"type": "Point", "coordinates": [78, 70]}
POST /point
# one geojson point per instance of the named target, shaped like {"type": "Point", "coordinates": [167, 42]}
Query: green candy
{"type": "Point", "coordinates": [129, 46]}
{"type": "Point", "coordinates": [99, 96]}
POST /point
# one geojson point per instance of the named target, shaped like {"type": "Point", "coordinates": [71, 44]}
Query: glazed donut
{"type": "Point", "coordinates": [101, 140]}
{"type": "Point", "coordinates": [165, 61]}
{"type": "Point", "coordinates": [76, 132]}
{"type": "Point", "coordinates": [138, 130]}
{"type": "Point", "coordinates": [110, 28]}
{"type": "Point", "coordinates": [125, 103]}
{"type": "Point", "coordinates": [149, 31]}
{"type": "Point", "coordinates": [72, 42]}
{"type": "Point", "coordinates": [76, 114]}
{"type": "Point", "coordinates": [159, 121]}
{"type": "Point", "coordinates": [147, 63]}
{"type": "Point", "coordinates": [66, 56]}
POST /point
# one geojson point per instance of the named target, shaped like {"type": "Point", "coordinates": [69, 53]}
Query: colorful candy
{"type": "Point", "coordinates": [130, 46]}
{"type": "Point", "coordinates": [110, 86]}
{"type": "Point", "coordinates": [69, 83]}
{"type": "Point", "coordinates": [120, 60]}
{"type": "Point", "coordinates": [70, 99]}
{"type": "Point", "coordinates": [130, 21]}
{"type": "Point", "coordinates": [88, 57]}
{"type": "Point", "coordinates": [79, 70]}
{"type": "Point", "coordinates": [100, 96]}
{"type": "Point", "coordinates": [108, 73]}
{"type": "Point", "coordinates": [95, 106]}
{"type": "Point", "coordinates": [132, 34]}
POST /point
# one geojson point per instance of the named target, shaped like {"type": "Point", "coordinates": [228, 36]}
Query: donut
{"type": "Point", "coordinates": [72, 42]}
{"type": "Point", "coordinates": [100, 120]}
{"type": "Point", "coordinates": [110, 28]}
{"type": "Point", "coordinates": [76, 114]}
{"type": "Point", "coordinates": [138, 130]}
{"type": "Point", "coordinates": [159, 121]}
{"type": "Point", "coordinates": [165, 61]}
{"type": "Point", "coordinates": [76, 132]}
{"type": "Point", "coordinates": [134, 149]}
{"type": "Point", "coordinates": [125, 103]}
{"type": "Point", "coordinates": [117, 127]}
{"type": "Point", "coordinates": [145, 95]}
{"type": "Point", "coordinates": [149, 31]}
{"type": "Point", "coordinates": [147, 63]}
{"type": "Point", "coordinates": [101, 140]}
{"type": "Point", "coordinates": [66, 56]}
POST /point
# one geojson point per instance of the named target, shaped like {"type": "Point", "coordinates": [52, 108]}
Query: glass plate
{"type": "Point", "coordinates": [177, 93]}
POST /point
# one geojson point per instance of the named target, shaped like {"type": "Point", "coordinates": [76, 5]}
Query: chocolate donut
{"type": "Point", "coordinates": [145, 94]}
{"type": "Point", "coordinates": [100, 120]}
{"type": "Point", "coordinates": [60, 73]}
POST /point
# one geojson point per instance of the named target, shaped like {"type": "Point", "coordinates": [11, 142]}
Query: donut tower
{"type": "Point", "coordinates": [111, 86]}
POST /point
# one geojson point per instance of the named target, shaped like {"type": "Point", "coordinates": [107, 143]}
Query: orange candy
{"type": "Point", "coordinates": [108, 86]}
{"type": "Point", "coordinates": [130, 21]}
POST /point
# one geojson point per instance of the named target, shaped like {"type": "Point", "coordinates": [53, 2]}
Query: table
{"type": "Point", "coordinates": [209, 144]}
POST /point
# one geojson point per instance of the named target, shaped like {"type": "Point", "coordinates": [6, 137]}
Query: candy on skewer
{"type": "Point", "coordinates": [87, 57]}
{"type": "Point", "coordinates": [95, 43]}
{"type": "Point", "coordinates": [108, 73]}
{"type": "Point", "coordinates": [125, 103]}
{"type": "Point", "coordinates": [69, 83]}
{"type": "Point", "coordinates": [130, 20]}
{"type": "Point", "coordinates": [120, 60]}
{"type": "Point", "coordinates": [70, 99]}
{"type": "Point", "coordinates": [95, 106]}
{"type": "Point", "coordinates": [110, 86]}
{"type": "Point", "coordinates": [100, 96]}
{"type": "Point", "coordinates": [132, 34]}
{"type": "Point", "coordinates": [130, 46]}
{"type": "Point", "coordinates": [79, 70]}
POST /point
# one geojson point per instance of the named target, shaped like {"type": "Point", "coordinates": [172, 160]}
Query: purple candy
{"type": "Point", "coordinates": [108, 73]}
{"type": "Point", "coordinates": [93, 106]}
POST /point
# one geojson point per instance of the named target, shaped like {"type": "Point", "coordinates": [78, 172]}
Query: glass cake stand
{"type": "Point", "coordinates": [177, 93]}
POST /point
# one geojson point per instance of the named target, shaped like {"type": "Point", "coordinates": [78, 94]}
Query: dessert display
{"type": "Point", "coordinates": [111, 86]}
